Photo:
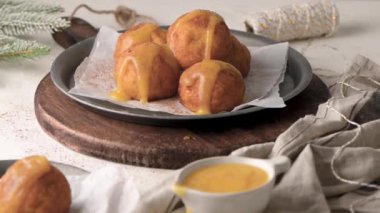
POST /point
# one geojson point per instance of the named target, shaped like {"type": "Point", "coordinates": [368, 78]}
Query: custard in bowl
{"type": "Point", "coordinates": [228, 184]}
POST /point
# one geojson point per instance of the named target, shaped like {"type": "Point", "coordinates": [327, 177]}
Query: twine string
{"type": "Point", "coordinates": [347, 85]}
{"type": "Point", "coordinates": [344, 85]}
{"type": "Point", "coordinates": [359, 131]}
{"type": "Point", "coordinates": [125, 16]}
{"type": "Point", "coordinates": [306, 9]}
{"type": "Point", "coordinates": [280, 20]}
{"type": "Point", "coordinates": [91, 10]}
{"type": "Point", "coordinates": [373, 81]}
{"type": "Point", "coordinates": [362, 201]}
{"type": "Point", "coordinates": [334, 18]}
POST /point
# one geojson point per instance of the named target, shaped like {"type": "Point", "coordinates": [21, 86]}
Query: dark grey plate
{"type": "Point", "coordinates": [297, 77]}
{"type": "Point", "coordinates": [65, 169]}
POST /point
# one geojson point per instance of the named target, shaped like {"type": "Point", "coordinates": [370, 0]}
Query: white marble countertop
{"type": "Point", "coordinates": [21, 135]}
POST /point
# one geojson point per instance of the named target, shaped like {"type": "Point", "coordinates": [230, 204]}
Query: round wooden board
{"type": "Point", "coordinates": [88, 132]}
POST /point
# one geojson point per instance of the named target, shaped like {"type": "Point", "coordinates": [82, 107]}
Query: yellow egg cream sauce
{"type": "Point", "coordinates": [223, 178]}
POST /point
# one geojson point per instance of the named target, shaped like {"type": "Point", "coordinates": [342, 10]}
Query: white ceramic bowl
{"type": "Point", "coordinates": [254, 200]}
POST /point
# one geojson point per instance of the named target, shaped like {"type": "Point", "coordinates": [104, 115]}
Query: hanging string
{"type": "Point", "coordinates": [362, 201]}
{"type": "Point", "coordinates": [125, 16]}
{"type": "Point", "coordinates": [91, 10]}
{"type": "Point", "coordinates": [342, 88]}
{"type": "Point", "coordinates": [344, 85]}
{"type": "Point", "coordinates": [336, 155]}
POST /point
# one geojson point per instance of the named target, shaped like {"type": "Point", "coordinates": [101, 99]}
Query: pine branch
{"type": "Point", "coordinates": [12, 47]}
{"type": "Point", "coordinates": [10, 2]}
{"type": "Point", "coordinates": [11, 6]}
{"type": "Point", "coordinates": [27, 22]}
{"type": "Point", "coordinates": [18, 17]}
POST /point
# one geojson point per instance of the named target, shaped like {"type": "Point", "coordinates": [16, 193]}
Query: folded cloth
{"type": "Point", "coordinates": [311, 142]}
{"type": "Point", "coordinates": [335, 154]}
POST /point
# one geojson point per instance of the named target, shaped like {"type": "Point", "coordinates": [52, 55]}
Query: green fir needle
{"type": "Point", "coordinates": [20, 17]}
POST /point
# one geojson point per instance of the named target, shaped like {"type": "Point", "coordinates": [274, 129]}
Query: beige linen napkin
{"type": "Point", "coordinates": [311, 142]}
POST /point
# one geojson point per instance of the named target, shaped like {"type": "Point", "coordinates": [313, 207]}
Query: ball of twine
{"type": "Point", "coordinates": [297, 21]}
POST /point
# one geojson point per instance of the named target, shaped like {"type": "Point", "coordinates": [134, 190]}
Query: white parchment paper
{"type": "Point", "coordinates": [94, 77]}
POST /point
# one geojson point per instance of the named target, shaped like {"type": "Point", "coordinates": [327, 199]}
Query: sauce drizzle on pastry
{"type": "Point", "coordinates": [213, 20]}
{"type": "Point", "coordinates": [209, 69]}
{"type": "Point", "coordinates": [209, 74]}
{"type": "Point", "coordinates": [142, 61]}
{"type": "Point", "coordinates": [133, 37]}
{"type": "Point", "coordinates": [143, 34]}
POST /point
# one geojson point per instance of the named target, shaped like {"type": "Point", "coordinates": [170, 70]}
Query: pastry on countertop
{"type": "Point", "coordinates": [33, 185]}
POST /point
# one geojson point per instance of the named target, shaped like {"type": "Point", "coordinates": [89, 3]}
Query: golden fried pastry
{"type": "Point", "coordinates": [240, 57]}
{"type": "Point", "coordinates": [203, 34]}
{"type": "Point", "coordinates": [211, 86]}
{"type": "Point", "coordinates": [139, 34]}
{"type": "Point", "coordinates": [147, 72]}
{"type": "Point", "coordinates": [33, 185]}
{"type": "Point", "coordinates": [198, 35]}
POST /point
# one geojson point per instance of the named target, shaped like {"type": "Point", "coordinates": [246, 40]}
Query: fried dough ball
{"type": "Point", "coordinates": [33, 185]}
{"type": "Point", "coordinates": [240, 57]}
{"type": "Point", "coordinates": [147, 72]}
{"type": "Point", "coordinates": [211, 86]}
{"type": "Point", "coordinates": [198, 35]}
{"type": "Point", "coordinates": [138, 34]}
{"type": "Point", "coordinates": [203, 34]}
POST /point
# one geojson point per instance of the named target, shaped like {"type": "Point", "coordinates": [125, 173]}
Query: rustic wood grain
{"type": "Point", "coordinates": [88, 132]}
